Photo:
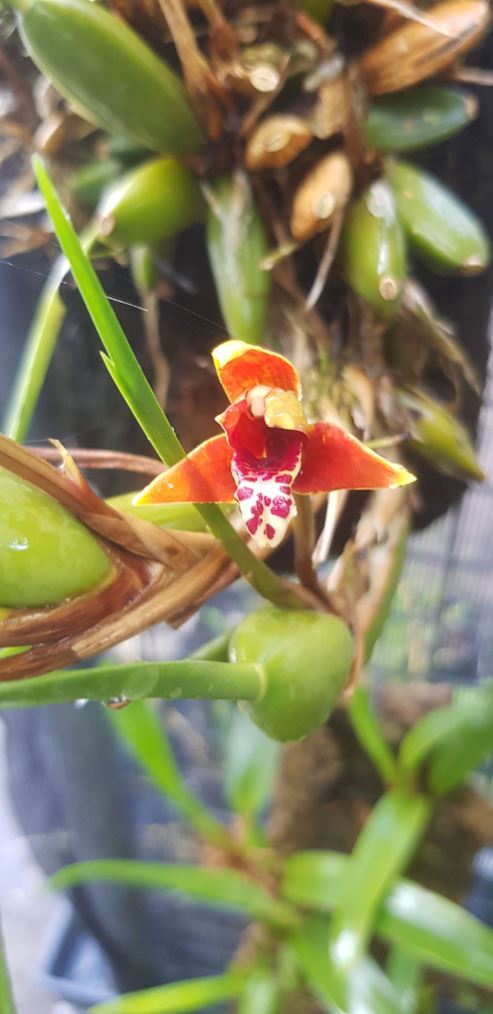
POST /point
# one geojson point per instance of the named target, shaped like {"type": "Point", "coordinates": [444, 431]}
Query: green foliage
{"type": "Point", "coordinates": [261, 994]}
{"type": "Point", "coordinates": [219, 887]}
{"type": "Point", "coordinates": [143, 733]}
{"type": "Point", "coordinates": [369, 733]}
{"type": "Point", "coordinates": [177, 997]}
{"type": "Point", "coordinates": [428, 928]}
{"type": "Point", "coordinates": [450, 742]}
{"type": "Point", "coordinates": [123, 88]}
{"type": "Point", "coordinates": [383, 849]}
{"type": "Point", "coordinates": [250, 764]}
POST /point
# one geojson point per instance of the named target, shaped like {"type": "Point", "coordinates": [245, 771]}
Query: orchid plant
{"type": "Point", "coordinates": [269, 452]}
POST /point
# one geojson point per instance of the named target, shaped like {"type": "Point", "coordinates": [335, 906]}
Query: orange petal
{"type": "Point", "coordinates": [240, 367]}
{"type": "Point", "coordinates": [204, 476]}
{"type": "Point", "coordinates": [333, 459]}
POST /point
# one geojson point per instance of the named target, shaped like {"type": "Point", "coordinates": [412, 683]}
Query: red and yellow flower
{"type": "Point", "coordinates": [268, 450]}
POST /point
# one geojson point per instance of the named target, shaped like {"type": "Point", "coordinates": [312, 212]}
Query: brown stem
{"type": "Point", "coordinates": [88, 457]}
{"type": "Point", "coordinates": [304, 542]}
{"type": "Point", "coordinates": [202, 86]}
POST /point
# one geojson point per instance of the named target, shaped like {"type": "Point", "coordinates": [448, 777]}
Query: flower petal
{"type": "Point", "coordinates": [264, 488]}
{"type": "Point", "coordinates": [333, 459]}
{"type": "Point", "coordinates": [240, 367]}
{"type": "Point", "coordinates": [204, 476]}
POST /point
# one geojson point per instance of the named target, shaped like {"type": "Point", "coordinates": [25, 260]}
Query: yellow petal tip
{"type": "Point", "coordinates": [231, 349]}
{"type": "Point", "coordinates": [403, 477]}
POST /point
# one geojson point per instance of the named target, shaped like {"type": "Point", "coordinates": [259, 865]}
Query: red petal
{"type": "Point", "coordinates": [204, 476]}
{"type": "Point", "coordinates": [240, 367]}
{"type": "Point", "coordinates": [333, 459]}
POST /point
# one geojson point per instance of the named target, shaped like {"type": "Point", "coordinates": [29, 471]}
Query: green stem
{"type": "Point", "coordinates": [132, 382]}
{"type": "Point", "coordinates": [187, 679]}
{"type": "Point", "coordinates": [40, 346]}
{"type": "Point", "coordinates": [7, 1005]}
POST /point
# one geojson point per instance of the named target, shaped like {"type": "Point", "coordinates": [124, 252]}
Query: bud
{"type": "Point", "coordinates": [47, 555]}
{"type": "Point", "coordinates": [326, 188]}
{"type": "Point", "coordinates": [150, 203]}
{"type": "Point", "coordinates": [237, 244]}
{"type": "Point", "coordinates": [306, 657]}
{"type": "Point", "coordinates": [438, 225]}
{"type": "Point", "coordinates": [374, 250]}
{"type": "Point", "coordinates": [414, 52]}
{"type": "Point", "coordinates": [276, 142]}
{"type": "Point", "coordinates": [439, 437]}
{"type": "Point", "coordinates": [418, 117]}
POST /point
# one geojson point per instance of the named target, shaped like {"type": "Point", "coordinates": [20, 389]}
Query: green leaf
{"type": "Point", "coordinates": [213, 886]}
{"type": "Point", "coordinates": [311, 944]}
{"type": "Point", "coordinates": [455, 758]}
{"type": "Point", "coordinates": [40, 346]}
{"type": "Point", "coordinates": [438, 932]}
{"type": "Point", "coordinates": [384, 847]}
{"type": "Point", "coordinates": [368, 731]}
{"type": "Point", "coordinates": [260, 994]}
{"type": "Point", "coordinates": [426, 926]}
{"type": "Point", "coordinates": [250, 764]}
{"type": "Point", "coordinates": [177, 997]}
{"type": "Point", "coordinates": [141, 729]}
{"type": "Point", "coordinates": [366, 990]}
{"type": "Point", "coordinates": [406, 975]}
{"type": "Point", "coordinates": [452, 740]}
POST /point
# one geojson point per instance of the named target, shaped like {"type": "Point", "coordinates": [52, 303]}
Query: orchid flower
{"type": "Point", "coordinates": [268, 451]}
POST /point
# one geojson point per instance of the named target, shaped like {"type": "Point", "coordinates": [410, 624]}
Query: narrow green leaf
{"type": "Point", "coordinates": [141, 729]}
{"type": "Point", "coordinates": [37, 354]}
{"type": "Point", "coordinates": [406, 975]}
{"type": "Point", "coordinates": [452, 741]}
{"type": "Point", "coordinates": [366, 990]}
{"type": "Point", "coordinates": [177, 997]}
{"type": "Point", "coordinates": [213, 886]}
{"type": "Point", "coordinates": [384, 847]}
{"type": "Point", "coordinates": [429, 928]}
{"type": "Point", "coordinates": [311, 943]}
{"type": "Point", "coordinates": [438, 933]}
{"type": "Point", "coordinates": [370, 991]}
{"type": "Point", "coordinates": [250, 764]}
{"type": "Point", "coordinates": [368, 731]}
{"type": "Point", "coordinates": [457, 757]}
{"type": "Point", "coordinates": [260, 994]}
{"type": "Point", "coordinates": [188, 679]}
{"type": "Point", "coordinates": [427, 734]}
